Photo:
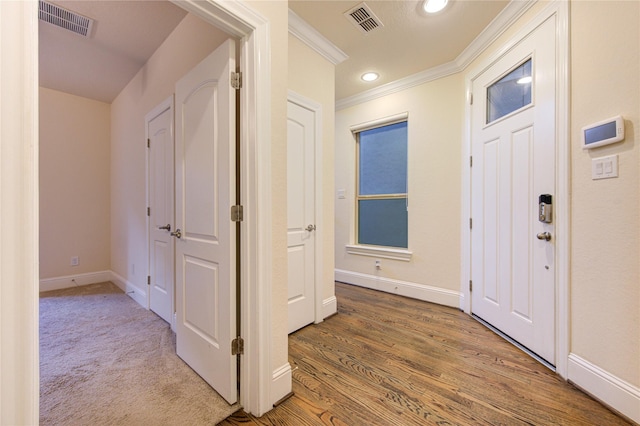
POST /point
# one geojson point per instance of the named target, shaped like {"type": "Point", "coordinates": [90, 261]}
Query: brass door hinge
{"type": "Point", "coordinates": [237, 213]}
{"type": "Point", "coordinates": [148, 279]}
{"type": "Point", "coordinates": [237, 346]}
{"type": "Point", "coordinates": [236, 80]}
{"type": "Point", "coordinates": [470, 285]}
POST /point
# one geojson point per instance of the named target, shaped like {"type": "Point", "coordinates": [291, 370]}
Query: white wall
{"type": "Point", "coordinates": [313, 76]}
{"type": "Point", "coordinates": [434, 179]}
{"type": "Point", "coordinates": [74, 185]}
{"type": "Point", "coordinates": [151, 85]}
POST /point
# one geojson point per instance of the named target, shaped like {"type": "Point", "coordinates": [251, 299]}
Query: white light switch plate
{"type": "Point", "coordinates": [604, 167]}
{"type": "Point", "coordinates": [342, 194]}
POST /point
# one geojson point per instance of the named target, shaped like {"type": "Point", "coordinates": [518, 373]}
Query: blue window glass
{"type": "Point", "coordinates": [383, 160]}
{"type": "Point", "coordinates": [383, 222]}
{"type": "Point", "coordinates": [510, 93]}
{"type": "Point", "coordinates": [382, 186]}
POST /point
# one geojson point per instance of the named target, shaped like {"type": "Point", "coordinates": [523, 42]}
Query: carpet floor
{"type": "Point", "coordinates": [105, 360]}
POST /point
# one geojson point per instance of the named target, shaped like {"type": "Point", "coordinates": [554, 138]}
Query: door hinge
{"type": "Point", "coordinates": [471, 161]}
{"type": "Point", "coordinates": [148, 143]}
{"type": "Point", "coordinates": [236, 80]}
{"type": "Point", "coordinates": [470, 223]}
{"type": "Point", "coordinates": [148, 279]}
{"type": "Point", "coordinates": [237, 213]}
{"type": "Point", "coordinates": [470, 285]}
{"type": "Point", "coordinates": [148, 211]}
{"type": "Point", "coordinates": [470, 98]}
{"type": "Point", "coordinates": [237, 346]}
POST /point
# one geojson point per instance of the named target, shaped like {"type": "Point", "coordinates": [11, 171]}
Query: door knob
{"type": "Point", "coordinates": [166, 227]}
{"type": "Point", "coordinates": [177, 233]}
{"type": "Point", "coordinates": [311, 228]}
{"type": "Point", "coordinates": [544, 236]}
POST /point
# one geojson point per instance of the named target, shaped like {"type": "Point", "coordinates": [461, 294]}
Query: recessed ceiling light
{"type": "Point", "coordinates": [434, 6]}
{"type": "Point", "coordinates": [370, 76]}
{"type": "Point", "coordinates": [525, 80]}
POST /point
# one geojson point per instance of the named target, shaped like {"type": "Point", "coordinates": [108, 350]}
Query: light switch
{"type": "Point", "coordinates": [342, 194]}
{"type": "Point", "coordinates": [604, 167]}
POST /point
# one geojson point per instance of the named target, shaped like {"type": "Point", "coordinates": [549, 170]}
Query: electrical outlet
{"type": "Point", "coordinates": [75, 261]}
{"type": "Point", "coordinates": [378, 264]}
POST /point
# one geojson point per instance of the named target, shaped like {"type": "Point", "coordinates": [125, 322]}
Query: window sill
{"type": "Point", "coordinates": [383, 252]}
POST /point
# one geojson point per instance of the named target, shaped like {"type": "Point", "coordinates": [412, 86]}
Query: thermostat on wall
{"type": "Point", "coordinates": [603, 132]}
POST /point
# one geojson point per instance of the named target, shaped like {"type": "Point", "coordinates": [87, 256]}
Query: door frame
{"type": "Point", "coordinates": [316, 109]}
{"type": "Point", "coordinates": [19, 391]}
{"type": "Point", "coordinates": [167, 104]}
{"type": "Point", "coordinates": [240, 20]}
{"type": "Point", "coordinates": [559, 10]}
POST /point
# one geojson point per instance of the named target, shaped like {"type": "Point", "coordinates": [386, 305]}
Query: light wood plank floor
{"type": "Point", "coordinates": [389, 360]}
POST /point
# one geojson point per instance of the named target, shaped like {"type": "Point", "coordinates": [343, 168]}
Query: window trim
{"type": "Point", "coordinates": [389, 252]}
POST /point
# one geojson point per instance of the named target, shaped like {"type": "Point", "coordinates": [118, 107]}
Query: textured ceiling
{"type": "Point", "coordinates": [125, 35]}
{"type": "Point", "coordinates": [409, 41]}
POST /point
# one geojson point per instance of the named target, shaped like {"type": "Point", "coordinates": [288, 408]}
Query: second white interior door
{"type": "Point", "coordinates": [301, 227]}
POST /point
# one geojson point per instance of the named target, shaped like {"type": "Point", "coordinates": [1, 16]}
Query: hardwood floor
{"type": "Point", "coordinates": [389, 360]}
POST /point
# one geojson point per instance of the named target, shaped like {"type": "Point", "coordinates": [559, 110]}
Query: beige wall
{"type": "Point", "coordinates": [313, 76]}
{"type": "Point", "coordinates": [74, 184]}
{"type": "Point", "coordinates": [605, 221]}
{"type": "Point", "coordinates": [434, 180]}
{"type": "Point", "coordinates": [151, 85]}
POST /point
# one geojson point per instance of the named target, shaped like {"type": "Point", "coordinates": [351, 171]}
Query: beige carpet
{"type": "Point", "coordinates": [105, 360]}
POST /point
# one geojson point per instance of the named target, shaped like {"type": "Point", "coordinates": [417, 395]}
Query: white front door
{"type": "Point", "coordinates": [206, 237]}
{"type": "Point", "coordinates": [160, 192]}
{"type": "Point", "coordinates": [301, 234]}
{"type": "Point", "coordinates": [513, 147]}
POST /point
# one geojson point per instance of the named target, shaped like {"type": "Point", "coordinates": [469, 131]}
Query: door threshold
{"type": "Point", "coordinates": [516, 344]}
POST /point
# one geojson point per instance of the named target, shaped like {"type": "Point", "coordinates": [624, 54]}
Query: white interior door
{"type": "Point", "coordinates": [301, 145]}
{"type": "Point", "coordinates": [160, 189]}
{"type": "Point", "coordinates": [205, 248]}
{"type": "Point", "coordinates": [513, 148]}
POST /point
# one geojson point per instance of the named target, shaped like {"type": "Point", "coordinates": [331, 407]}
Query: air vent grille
{"type": "Point", "coordinates": [65, 18]}
{"type": "Point", "coordinates": [363, 18]}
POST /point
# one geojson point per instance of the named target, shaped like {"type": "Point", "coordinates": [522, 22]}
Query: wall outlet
{"type": "Point", "coordinates": [378, 265]}
{"type": "Point", "coordinates": [75, 261]}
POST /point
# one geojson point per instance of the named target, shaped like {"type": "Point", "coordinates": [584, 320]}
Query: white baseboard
{"type": "Point", "coordinates": [621, 396]}
{"type": "Point", "coordinates": [402, 288]}
{"type": "Point", "coordinates": [58, 283]}
{"type": "Point", "coordinates": [281, 383]}
{"type": "Point", "coordinates": [136, 293]}
{"type": "Point", "coordinates": [329, 307]}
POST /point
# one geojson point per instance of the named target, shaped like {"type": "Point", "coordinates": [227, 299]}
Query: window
{"type": "Point", "coordinates": [381, 204]}
{"type": "Point", "coordinates": [510, 93]}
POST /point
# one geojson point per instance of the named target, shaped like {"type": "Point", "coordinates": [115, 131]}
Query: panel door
{"type": "Point", "coordinates": [161, 212]}
{"type": "Point", "coordinates": [513, 147]}
{"type": "Point", "coordinates": [205, 249]}
{"type": "Point", "coordinates": [301, 215]}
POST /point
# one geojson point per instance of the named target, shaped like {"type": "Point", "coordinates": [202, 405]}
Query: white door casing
{"type": "Point", "coordinates": [301, 208]}
{"type": "Point", "coordinates": [206, 244]}
{"type": "Point", "coordinates": [514, 161]}
{"type": "Point", "coordinates": [160, 195]}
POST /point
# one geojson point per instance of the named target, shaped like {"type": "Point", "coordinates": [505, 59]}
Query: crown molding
{"type": "Point", "coordinates": [299, 28]}
{"type": "Point", "coordinates": [514, 10]}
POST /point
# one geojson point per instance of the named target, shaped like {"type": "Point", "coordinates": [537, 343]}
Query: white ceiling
{"type": "Point", "coordinates": [409, 42]}
{"type": "Point", "coordinates": [127, 33]}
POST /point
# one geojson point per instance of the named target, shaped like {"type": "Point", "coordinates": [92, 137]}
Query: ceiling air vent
{"type": "Point", "coordinates": [363, 17]}
{"type": "Point", "coordinates": [65, 18]}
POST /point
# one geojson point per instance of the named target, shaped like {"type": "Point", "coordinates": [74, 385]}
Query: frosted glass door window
{"type": "Point", "coordinates": [382, 186]}
{"type": "Point", "coordinates": [510, 93]}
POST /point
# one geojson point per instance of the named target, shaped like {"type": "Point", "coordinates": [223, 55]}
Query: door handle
{"type": "Point", "coordinates": [177, 233]}
{"type": "Point", "coordinates": [310, 228]}
{"type": "Point", "coordinates": [544, 236]}
{"type": "Point", "coordinates": [166, 227]}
